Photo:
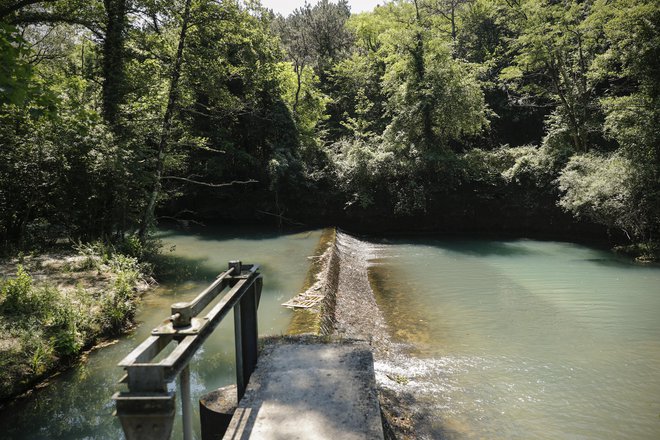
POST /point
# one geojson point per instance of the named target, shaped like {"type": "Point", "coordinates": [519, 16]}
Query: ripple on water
{"type": "Point", "coordinates": [520, 339]}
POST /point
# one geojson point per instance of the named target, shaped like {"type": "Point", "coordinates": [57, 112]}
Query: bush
{"type": "Point", "coordinates": [20, 297]}
{"type": "Point", "coordinates": [599, 188]}
{"type": "Point", "coordinates": [119, 307]}
{"type": "Point", "coordinates": [526, 165]}
{"type": "Point", "coordinates": [67, 340]}
{"type": "Point", "coordinates": [15, 292]}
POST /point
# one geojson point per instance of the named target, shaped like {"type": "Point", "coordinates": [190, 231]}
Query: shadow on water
{"type": "Point", "coordinates": [616, 261]}
{"type": "Point", "coordinates": [69, 417]}
{"type": "Point", "coordinates": [475, 248]}
{"type": "Point", "coordinates": [175, 269]}
{"type": "Point", "coordinates": [241, 232]}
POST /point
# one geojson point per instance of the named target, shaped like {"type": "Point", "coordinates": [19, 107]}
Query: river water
{"type": "Point", "coordinates": [515, 339]}
{"type": "Point", "coordinates": [522, 339]}
{"type": "Point", "coordinates": [77, 404]}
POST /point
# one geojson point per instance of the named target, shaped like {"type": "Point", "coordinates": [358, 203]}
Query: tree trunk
{"type": "Point", "coordinates": [299, 73]}
{"type": "Point", "coordinates": [113, 60]}
{"type": "Point", "coordinates": [148, 218]}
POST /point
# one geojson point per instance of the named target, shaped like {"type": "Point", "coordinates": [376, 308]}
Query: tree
{"type": "Point", "coordinates": [551, 57]}
{"type": "Point", "coordinates": [113, 59]}
{"type": "Point", "coordinates": [15, 72]}
{"type": "Point", "coordinates": [429, 102]}
{"type": "Point", "coordinates": [163, 143]}
{"type": "Point", "coordinates": [629, 64]}
{"type": "Point", "coordinates": [316, 37]}
{"type": "Point", "coordinates": [432, 98]}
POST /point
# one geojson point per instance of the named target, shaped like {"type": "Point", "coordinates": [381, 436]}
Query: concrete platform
{"type": "Point", "coordinates": [310, 392]}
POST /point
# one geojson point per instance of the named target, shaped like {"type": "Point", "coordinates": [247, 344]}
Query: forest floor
{"type": "Point", "coordinates": [56, 306]}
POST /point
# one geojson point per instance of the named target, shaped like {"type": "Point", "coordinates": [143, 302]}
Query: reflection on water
{"type": "Point", "coordinates": [77, 404]}
{"type": "Point", "coordinates": [523, 339]}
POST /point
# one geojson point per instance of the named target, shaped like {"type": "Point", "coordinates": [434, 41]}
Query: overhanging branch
{"type": "Point", "coordinates": [211, 185]}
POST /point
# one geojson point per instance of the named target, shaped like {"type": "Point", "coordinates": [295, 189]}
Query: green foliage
{"type": "Point", "coordinates": [15, 73]}
{"type": "Point", "coordinates": [44, 327]}
{"type": "Point", "coordinates": [16, 293]}
{"type": "Point", "coordinates": [360, 166]}
{"type": "Point", "coordinates": [43, 306]}
{"type": "Point", "coordinates": [552, 54]}
{"type": "Point", "coordinates": [598, 188]}
{"type": "Point", "coordinates": [104, 116]}
{"type": "Point", "coordinates": [118, 308]}
{"type": "Point", "coordinates": [310, 103]}
{"type": "Point", "coordinates": [527, 166]}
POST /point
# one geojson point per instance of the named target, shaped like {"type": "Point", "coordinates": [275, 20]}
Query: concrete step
{"type": "Point", "coordinates": [310, 391]}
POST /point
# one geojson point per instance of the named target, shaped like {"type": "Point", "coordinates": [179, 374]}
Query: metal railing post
{"type": "Point", "coordinates": [186, 403]}
{"type": "Point", "coordinates": [241, 384]}
{"type": "Point", "coordinates": [147, 409]}
{"type": "Point", "coordinates": [249, 332]}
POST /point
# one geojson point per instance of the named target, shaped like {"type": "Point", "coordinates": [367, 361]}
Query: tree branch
{"type": "Point", "coordinates": [10, 9]}
{"type": "Point", "coordinates": [44, 18]}
{"type": "Point", "coordinates": [211, 185]}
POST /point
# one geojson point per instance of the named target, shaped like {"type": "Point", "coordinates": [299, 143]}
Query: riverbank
{"type": "Point", "coordinates": [55, 307]}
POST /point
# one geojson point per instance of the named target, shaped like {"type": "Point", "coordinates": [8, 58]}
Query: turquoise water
{"type": "Point", "coordinates": [77, 404]}
{"type": "Point", "coordinates": [515, 339]}
{"type": "Point", "coordinates": [523, 339]}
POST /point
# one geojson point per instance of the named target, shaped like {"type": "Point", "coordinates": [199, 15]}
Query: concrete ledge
{"type": "Point", "coordinates": [310, 391]}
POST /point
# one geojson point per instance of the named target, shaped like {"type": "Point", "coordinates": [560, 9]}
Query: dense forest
{"type": "Point", "coordinates": [521, 116]}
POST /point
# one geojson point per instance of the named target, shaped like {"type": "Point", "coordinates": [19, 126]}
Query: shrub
{"type": "Point", "coordinates": [15, 292]}
{"type": "Point", "coordinates": [21, 297]}
{"type": "Point", "coordinates": [119, 307]}
{"type": "Point", "coordinates": [599, 188]}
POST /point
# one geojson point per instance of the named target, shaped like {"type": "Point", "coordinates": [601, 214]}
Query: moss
{"type": "Point", "coordinates": [312, 320]}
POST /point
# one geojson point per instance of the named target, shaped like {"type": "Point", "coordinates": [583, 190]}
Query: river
{"type": "Point", "coordinates": [77, 404]}
{"type": "Point", "coordinates": [508, 339]}
{"type": "Point", "coordinates": [522, 339]}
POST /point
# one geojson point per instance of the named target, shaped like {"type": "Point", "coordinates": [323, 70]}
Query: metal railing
{"type": "Point", "coordinates": [147, 409]}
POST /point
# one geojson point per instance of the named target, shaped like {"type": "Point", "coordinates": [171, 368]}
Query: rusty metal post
{"type": "Point", "coordinates": [147, 416]}
{"type": "Point", "coordinates": [237, 266]}
{"type": "Point", "coordinates": [241, 383]}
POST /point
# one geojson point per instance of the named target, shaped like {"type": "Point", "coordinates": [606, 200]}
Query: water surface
{"type": "Point", "coordinates": [77, 404]}
{"type": "Point", "coordinates": [524, 339]}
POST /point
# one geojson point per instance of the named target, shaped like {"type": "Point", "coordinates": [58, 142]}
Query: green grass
{"type": "Point", "coordinates": [45, 328]}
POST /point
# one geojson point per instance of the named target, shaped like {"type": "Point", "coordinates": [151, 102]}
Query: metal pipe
{"type": "Point", "coordinates": [186, 403]}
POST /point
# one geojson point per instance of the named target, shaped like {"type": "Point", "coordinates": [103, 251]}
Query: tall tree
{"type": "Point", "coordinates": [172, 97]}
{"type": "Point", "coordinates": [551, 58]}
{"type": "Point", "coordinates": [113, 59]}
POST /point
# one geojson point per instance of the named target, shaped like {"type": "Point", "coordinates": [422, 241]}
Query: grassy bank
{"type": "Point", "coordinates": [53, 307]}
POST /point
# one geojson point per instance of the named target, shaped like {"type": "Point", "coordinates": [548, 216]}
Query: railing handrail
{"type": "Point", "coordinates": [147, 405]}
